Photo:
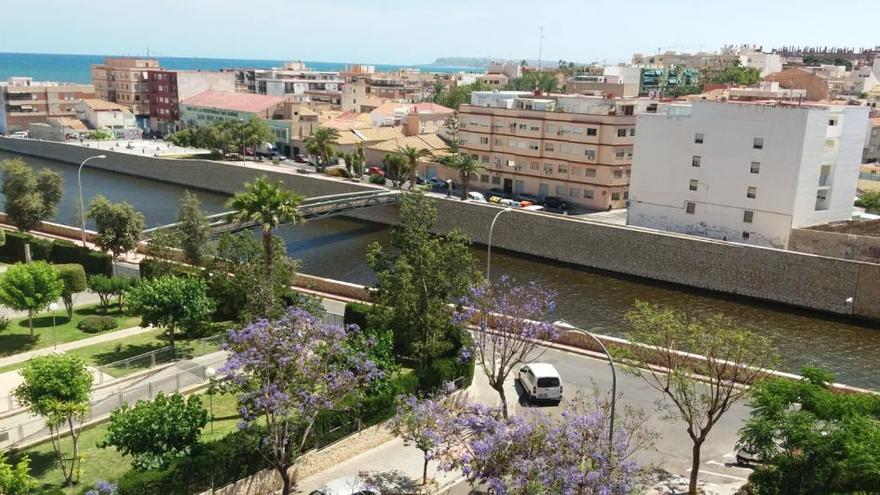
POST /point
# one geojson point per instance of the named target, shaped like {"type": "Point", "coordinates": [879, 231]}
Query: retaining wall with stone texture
{"type": "Point", "coordinates": [836, 244]}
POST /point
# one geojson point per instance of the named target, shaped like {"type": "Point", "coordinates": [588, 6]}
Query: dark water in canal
{"type": "Point", "coordinates": [336, 247]}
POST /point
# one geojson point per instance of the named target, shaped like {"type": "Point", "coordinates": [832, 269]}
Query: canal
{"type": "Point", "coordinates": [336, 247]}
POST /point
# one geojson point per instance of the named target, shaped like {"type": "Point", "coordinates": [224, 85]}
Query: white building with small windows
{"type": "Point", "coordinates": [745, 171]}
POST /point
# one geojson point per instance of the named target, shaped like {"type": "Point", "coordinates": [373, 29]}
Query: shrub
{"type": "Point", "coordinates": [4, 322]}
{"type": "Point", "coordinates": [97, 324]}
{"type": "Point", "coordinates": [356, 314]}
{"type": "Point", "coordinates": [74, 278]}
{"type": "Point", "coordinates": [13, 249]}
{"type": "Point", "coordinates": [377, 179]}
{"type": "Point", "coordinates": [94, 262]}
{"type": "Point", "coordinates": [103, 286]}
{"type": "Point", "coordinates": [41, 249]}
{"type": "Point", "coordinates": [142, 483]}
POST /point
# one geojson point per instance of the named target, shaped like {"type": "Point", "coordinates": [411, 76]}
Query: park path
{"type": "Point", "coordinates": [76, 344]}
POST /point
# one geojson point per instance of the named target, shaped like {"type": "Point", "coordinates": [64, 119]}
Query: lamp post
{"type": "Point", "coordinates": [211, 373]}
{"type": "Point", "coordinates": [489, 244]}
{"type": "Point", "coordinates": [82, 206]}
{"type": "Point", "coordinates": [243, 150]}
{"type": "Point", "coordinates": [562, 324]}
{"type": "Point", "coordinates": [448, 188]}
{"type": "Point", "coordinates": [54, 307]}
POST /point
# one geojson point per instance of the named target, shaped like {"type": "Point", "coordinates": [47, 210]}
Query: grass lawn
{"type": "Point", "coordinates": [107, 463]}
{"type": "Point", "coordinates": [17, 337]}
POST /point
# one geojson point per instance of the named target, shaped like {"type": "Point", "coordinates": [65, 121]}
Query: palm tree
{"type": "Point", "coordinates": [412, 156]}
{"type": "Point", "coordinates": [468, 168]}
{"type": "Point", "coordinates": [322, 143]}
{"type": "Point", "coordinates": [268, 204]}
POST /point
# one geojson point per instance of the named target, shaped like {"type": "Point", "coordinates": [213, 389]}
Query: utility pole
{"type": "Point", "coordinates": [540, 47]}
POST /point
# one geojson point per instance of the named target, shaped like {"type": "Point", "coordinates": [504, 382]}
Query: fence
{"type": "Point", "coordinates": [157, 357]}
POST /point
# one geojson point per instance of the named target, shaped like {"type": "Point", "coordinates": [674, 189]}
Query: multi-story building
{"type": "Point", "coordinates": [414, 118]}
{"type": "Point", "coordinates": [613, 80]}
{"type": "Point", "coordinates": [573, 146]}
{"type": "Point", "coordinates": [816, 85]}
{"type": "Point", "coordinates": [124, 80]}
{"type": "Point", "coordinates": [24, 101]}
{"type": "Point", "coordinates": [745, 171]}
{"type": "Point", "coordinates": [293, 80]}
{"type": "Point", "coordinates": [871, 153]}
{"type": "Point", "coordinates": [167, 88]}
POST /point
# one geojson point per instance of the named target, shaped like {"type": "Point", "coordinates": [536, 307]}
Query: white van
{"type": "Point", "coordinates": [541, 382]}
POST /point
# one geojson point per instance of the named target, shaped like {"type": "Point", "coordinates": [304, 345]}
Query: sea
{"type": "Point", "coordinates": [76, 68]}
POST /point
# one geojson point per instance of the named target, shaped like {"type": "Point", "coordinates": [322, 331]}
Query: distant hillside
{"type": "Point", "coordinates": [462, 62]}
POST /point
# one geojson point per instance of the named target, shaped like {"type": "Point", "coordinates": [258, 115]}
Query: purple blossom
{"type": "Point", "coordinates": [103, 487]}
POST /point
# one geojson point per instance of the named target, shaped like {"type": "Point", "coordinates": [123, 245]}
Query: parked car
{"type": "Point", "coordinates": [476, 197]}
{"type": "Point", "coordinates": [350, 485]}
{"type": "Point", "coordinates": [533, 208]}
{"type": "Point", "coordinates": [438, 183]}
{"type": "Point", "coordinates": [300, 159]}
{"type": "Point", "coordinates": [502, 201]}
{"type": "Point", "coordinates": [497, 191]}
{"type": "Point", "coordinates": [376, 171]}
{"type": "Point", "coordinates": [19, 135]}
{"type": "Point", "coordinates": [541, 382]}
{"type": "Point", "coordinates": [555, 203]}
{"type": "Point", "coordinates": [528, 197]}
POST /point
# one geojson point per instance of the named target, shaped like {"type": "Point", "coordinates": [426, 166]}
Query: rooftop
{"type": "Point", "coordinates": [430, 142]}
{"type": "Point", "coordinates": [104, 105]}
{"type": "Point", "coordinates": [240, 102]}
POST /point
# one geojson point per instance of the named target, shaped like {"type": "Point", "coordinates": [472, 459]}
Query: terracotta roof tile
{"type": "Point", "coordinates": [240, 102]}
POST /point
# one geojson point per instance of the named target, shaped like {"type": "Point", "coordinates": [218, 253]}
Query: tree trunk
{"type": "Point", "coordinates": [503, 396]}
{"type": "Point", "coordinates": [425, 470]}
{"type": "Point", "coordinates": [465, 185]}
{"type": "Point", "coordinates": [695, 467]}
{"type": "Point", "coordinates": [171, 336]}
{"type": "Point", "coordinates": [31, 321]}
{"type": "Point", "coordinates": [412, 176]}
{"type": "Point", "coordinates": [285, 481]}
{"type": "Point", "coordinates": [267, 250]}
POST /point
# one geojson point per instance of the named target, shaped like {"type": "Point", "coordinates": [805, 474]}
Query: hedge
{"type": "Point", "coordinates": [58, 252]}
{"type": "Point", "coordinates": [356, 314]}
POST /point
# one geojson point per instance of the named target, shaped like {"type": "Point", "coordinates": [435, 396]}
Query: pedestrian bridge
{"type": "Point", "coordinates": [310, 208]}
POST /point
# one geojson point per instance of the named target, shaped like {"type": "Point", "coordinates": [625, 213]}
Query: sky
{"type": "Point", "coordinates": [418, 31]}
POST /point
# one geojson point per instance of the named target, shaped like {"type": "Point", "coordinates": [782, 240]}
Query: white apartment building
{"type": "Point", "coordinates": [745, 172]}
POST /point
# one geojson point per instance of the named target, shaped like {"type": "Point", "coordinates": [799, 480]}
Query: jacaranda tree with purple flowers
{"type": "Point", "coordinates": [512, 323]}
{"type": "Point", "coordinates": [419, 422]}
{"type": "Point", "coordinates": [539, 453]}
{"type": "Point", "coordinates": [288, 371]}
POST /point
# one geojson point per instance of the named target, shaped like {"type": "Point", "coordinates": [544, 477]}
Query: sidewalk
{"type": "Point", "coordinates": [106, 337]}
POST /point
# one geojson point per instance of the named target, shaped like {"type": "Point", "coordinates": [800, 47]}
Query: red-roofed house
{"type": "Point", "coordinates": [416, 118]}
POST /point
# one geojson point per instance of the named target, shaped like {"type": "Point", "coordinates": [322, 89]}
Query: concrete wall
{"type": "Point", "coordinates": [836, 244]}
{"type": "Point", "coordinates": [782, 276]}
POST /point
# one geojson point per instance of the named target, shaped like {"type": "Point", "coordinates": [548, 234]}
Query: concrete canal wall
{"type": "Point", "coordinates": [811, 281]}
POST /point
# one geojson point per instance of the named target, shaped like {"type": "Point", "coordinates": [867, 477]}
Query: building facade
{"type": "Point", "coordinates": [871, 153]}
{"type": "Point", "coordinates": [124, 80]}
{"type": "Point", "coordinates": [167, 88]}
{"type": "Point", "coordinates": [745, 172]}
{"type": "Point", "coordinates": [24, 101]}
{"type": "Point", "coordinates": [576, 147]}
{"type": "Point", "coordinates": [614, 80]}
{"type": "Point", "coordinates": [102, 114]}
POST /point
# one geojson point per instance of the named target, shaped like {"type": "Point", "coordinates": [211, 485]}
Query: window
{"type": "Point", "coordinates": [632, 132]}
{"type": "Point", "coordinates": [484, 158]}
{"type": "Point", "coordinates": [534, 166]}
{"type": "Point", "coordinates": [534, 146]}
{"type": "Point", "coordinates": [832, 122]}
{"type": "Point", "coordinates": [690, 207]}
{"type": "Point", "coordinates": [588, 193]}
{"type": "Point", "coordinates": [563, 169]}
{"type": "Point", "coordinates": [591, 172]}
{"type": "Point", "coordinates": [621, 133]}
{"type": "Point", "coordinates": [560, 190]}
{"type": "Point", "coordinates": [522, 127]}
{"type": "Point", "coordinates": [496, 179]}
{"type": "Point", "coordinates": [549, 147]}
{"type": "Point", "coordinates": [498, 142]}
{"type": "Point", "coordinates": [615, 196]}
{"type": "Point", "coordinates": [592, 131]}
{"type": "Point", "coordinates": [590, 154]}
{"type": "Point", "coordinates": [534, 128]}
{"type": "Point", "coordinates": [619, 154]}
{"type": "Point", "coordinates": [752, 192]}
{"type": "Point", "coordinates": [698, 138]}
{"type": "Point", "coordinates": [484, 178]}
{"type": "Point", "coordinates": [625, 194]}
{"type": "Point", "coordinates": [548, 169]}
{"type": "Point", "coordinates": [577, 171]}
{"type": "Point", "coordinates": [758, 143]}
{"type": "Point", "coordinates": [693, 184]}
{"type": "Point", "coordinates": [618, 174]}
{"type": "Point", "coordinates": [748, 215]}
{"type": "Point", "coordinates": [755, 168]}
{"type": "Point", "coordinates": [484, 140]}
{"type": "Point", "coordinates": [695, 161]}
{"type": "Point", "coordinates": [574, 192]}
{"type": "Point", "coordinates": [746, 236]}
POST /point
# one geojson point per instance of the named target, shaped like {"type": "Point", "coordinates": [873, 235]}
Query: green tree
{"type": "Point", "coordinates": [101, 135]}
{"type": "Point", "coordinates": [57, 387]}
{"type": "Point", "coordinates": [700, 390]}
{"type": "Point", "coordinates": [869, 200]}
{"type": "Point", "coordinates": [437, 90]}
{"type": "Point", "coordinates": [193, 229]}
{"type": "Point", "coordinates": [468, 168]}
{"type": "Point", "coordinates": [171, 302]}
{"type": "Point", "coordinates": [255, 131]}
{"type": "Point", "coordinates": [119, 225]}
{"type": "Point", "coordinates": [30, 197]}
{"type": "Point", "coordinates": [323, 143]}
{"type": "Point", "coordinates": [418, 277]}
{"type": "Point", "coordinates": [412, 155]}
{"type": "Point", "coordinates": [460, 95]}
{"type": "Point", "coordinates": [453, 127]}
{"type": "Point", "coordinates": [105, 288]}
{"type": "Point", "coordinates": [268, 204]}
{"type": "Point", "coordinates": [120, 286]}
{"type": "Point", "coordinates": [531, 81]}
{"type": "Point", "coordinates": [741, 76]}
{"type": "Point", "coordinates": [30, 287]}
{"type": "Point", "coordinates": [16, 480]}
{"type": "Point", "coordinates": [812, 439]}
{"type": "Point", "coordinates": [395, 168]}
{"type": "Point", "coordinates": [156, 432]}
{"type": "Point", "coordinates": [73, 278]}
{"type": "Point", "coordinates": [354, 163]}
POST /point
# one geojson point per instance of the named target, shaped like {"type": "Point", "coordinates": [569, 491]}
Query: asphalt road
{"type": "Point", "coordinates": [673, 447]}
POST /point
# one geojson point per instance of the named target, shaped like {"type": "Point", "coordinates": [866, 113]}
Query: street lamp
{"type": "Point", "coordinates": [448, 188]}
{"type": "Point", "coordinates": [211, 373]}
{"type": "Point", "coordinates": [562, 324]}
{"type": "Point", "coordinates": [243, 154]}
{"type": "Point", "coordinates": [54, 307]}
{"type": "Point", "coordinates": [489, 244]}
{"type": "Point", "coordinates": [82, 206]}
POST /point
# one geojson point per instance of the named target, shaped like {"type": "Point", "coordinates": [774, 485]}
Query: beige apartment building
{"type": "Point", "coordinates": [124, 80]}
{"type": "Point", "coordinates": [576, 147]}
{"type": "Point", "coordinates": [24, 101]}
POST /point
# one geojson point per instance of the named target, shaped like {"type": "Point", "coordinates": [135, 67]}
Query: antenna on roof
{"type": "Point", "coordinates": [540, 47]}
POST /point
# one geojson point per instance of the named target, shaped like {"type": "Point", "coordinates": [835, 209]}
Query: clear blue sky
{"type": "Point", "coordinates": [417, 31]}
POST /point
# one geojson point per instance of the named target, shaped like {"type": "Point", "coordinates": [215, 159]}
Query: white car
{"type": "Point", "coordinates": [19, 135]}
{"type": "Point", "coordinates": [541, 382]}
{"type": "Point", "coordinates": [350, 485]}
{"type": "Point", "coordinates": [476, 197]}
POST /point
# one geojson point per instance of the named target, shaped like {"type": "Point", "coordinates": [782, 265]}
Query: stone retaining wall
{"type": "Point", "coordinates": [836, 244]}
